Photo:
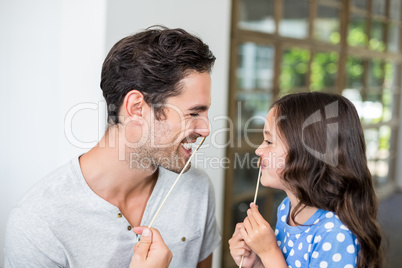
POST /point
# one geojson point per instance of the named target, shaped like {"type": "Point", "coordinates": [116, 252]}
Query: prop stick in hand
{"type": "Point", "coordinates": [258, 180]}
{"type": "Point", "coordinates": [177, 179]}
{"type": "Point", "coordinates": [255, 197]}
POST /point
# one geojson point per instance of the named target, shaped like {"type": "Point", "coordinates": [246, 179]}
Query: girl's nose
{"type": "Point", "coordinates": [258, 151]}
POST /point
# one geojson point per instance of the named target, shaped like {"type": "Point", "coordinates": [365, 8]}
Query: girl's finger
{"type": "Point", "coordinates": [238, 227]}
{"type": "Point", "coordinates": [257, 215]}
{"type": "Point", "coordinates": [243, 233]}
{"type": "Point", "coordinates": [239, 249]}
{"type": "Point", "coordinates": [250, 215]}
{"type": "Point", "coordinates": [247, 228]}
{"type": "Point", "coordinates": [236, 237]}
{"type": "Point", "coordinates": [238, 246]}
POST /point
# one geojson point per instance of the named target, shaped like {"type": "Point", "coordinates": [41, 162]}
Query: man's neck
{"type": "Point", "coordinates": [113, 179]}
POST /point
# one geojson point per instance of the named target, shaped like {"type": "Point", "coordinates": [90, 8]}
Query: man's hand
{"type": "Point", "coordinates": [151, 251]}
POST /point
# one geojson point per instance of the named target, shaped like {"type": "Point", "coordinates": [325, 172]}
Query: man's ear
{"type": "Point", "coordinates": [133, 105]}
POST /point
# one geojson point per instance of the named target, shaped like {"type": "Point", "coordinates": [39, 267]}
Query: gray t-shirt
{"type": "Point", "coordinates": [61, 222]}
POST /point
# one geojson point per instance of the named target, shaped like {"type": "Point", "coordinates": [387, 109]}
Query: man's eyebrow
{"type": "Point", "coordinates": [198, 108]}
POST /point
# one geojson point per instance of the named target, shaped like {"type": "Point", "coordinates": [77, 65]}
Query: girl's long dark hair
{"type": "Point", "coordinates": [326, 165]}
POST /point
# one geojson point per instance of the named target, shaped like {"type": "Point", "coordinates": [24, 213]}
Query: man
{"type": "Point", "coordinates": [157, 88]}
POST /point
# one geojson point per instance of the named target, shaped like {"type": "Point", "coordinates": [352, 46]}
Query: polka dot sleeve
{"type": "Point", "coordinates": [334, 248]}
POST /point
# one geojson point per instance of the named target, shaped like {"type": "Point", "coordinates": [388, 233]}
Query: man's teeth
{"type": "Point", "coordinates": [187, 146]}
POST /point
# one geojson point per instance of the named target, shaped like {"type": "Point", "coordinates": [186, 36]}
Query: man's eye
{"type": "Point", "coordinates": [194, 115]}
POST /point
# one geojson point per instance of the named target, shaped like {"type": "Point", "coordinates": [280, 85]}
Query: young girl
{"type": "Point", "coordinates": [314, 150]}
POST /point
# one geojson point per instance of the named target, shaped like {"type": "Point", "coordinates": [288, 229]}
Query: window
{"type": "Point", "coordinates": [351, 47]}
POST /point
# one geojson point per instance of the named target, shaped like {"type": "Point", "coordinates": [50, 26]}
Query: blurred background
{"type": "Point", "coordinates": [52, 109]}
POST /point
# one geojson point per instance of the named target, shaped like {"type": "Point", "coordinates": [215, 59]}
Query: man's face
{"type": "Point", "coordinates": [186, 119]}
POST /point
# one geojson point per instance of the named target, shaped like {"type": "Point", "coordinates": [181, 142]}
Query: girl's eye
{"type": "Point", "coordinates": [268, 142]}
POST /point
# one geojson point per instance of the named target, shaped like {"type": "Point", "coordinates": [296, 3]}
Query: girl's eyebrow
{"type": "Point", "coordinates": [267, 132]}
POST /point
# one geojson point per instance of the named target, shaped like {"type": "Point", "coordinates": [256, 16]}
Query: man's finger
{"type": "Point", "coordinates": [141, 249]}
{"type": "Point", "coordinates": [156, 237]}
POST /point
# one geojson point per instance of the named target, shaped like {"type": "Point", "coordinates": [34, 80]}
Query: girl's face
{"type": "Point", "coordinates": [273, 153]}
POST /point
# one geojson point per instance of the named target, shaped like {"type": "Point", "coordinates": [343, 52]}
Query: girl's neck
{"type": "Point", "coordinates": [303, 215]}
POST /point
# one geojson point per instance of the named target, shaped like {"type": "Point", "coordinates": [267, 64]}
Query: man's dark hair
{"type": "Point", "coordinates": [153, 62]}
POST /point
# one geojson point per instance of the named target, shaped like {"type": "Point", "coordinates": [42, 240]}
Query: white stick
{"type": "Point", "coordinates": [177, 179]}
{"type": "Point", "coordinates": [255, 200]}
{"type": "Point", "coordinates": [258, 184]}
{"type": "Point", "coordinates": [241, 262]}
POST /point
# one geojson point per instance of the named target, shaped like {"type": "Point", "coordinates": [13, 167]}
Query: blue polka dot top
{"type": "Point", "coordinates": [322, 241]}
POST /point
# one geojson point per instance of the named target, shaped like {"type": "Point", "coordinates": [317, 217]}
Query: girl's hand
{"type": "Point", "coordinates": [239, 248]}
{"type": "Point", "coordinates": [260, 237]}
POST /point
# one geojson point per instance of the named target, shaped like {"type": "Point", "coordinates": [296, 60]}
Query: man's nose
{"type": "Point", "coordinates": [202, 126]}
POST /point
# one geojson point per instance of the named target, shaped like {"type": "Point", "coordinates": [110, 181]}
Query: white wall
{"type": "Point", "coordinates": [51, 56]}
{"type": "Point", "coordinates": [51, 53]}
{"type": "Point", "coordinates": [29, 75]}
